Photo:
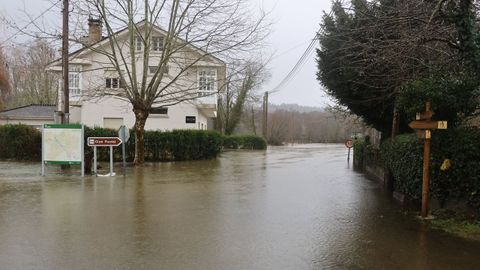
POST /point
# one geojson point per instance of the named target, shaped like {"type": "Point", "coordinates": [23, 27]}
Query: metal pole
{"type": "Point", "coordinates": [83, 151]}
{"type": "Point", "coordinates": [348, 158]}
{"type": "Point", "coordinates": [43, 152]}
{"type": "Point", "coordinates": [111, 160]}
{"type": "Point", "coordinates": [426, 176]}
{"type": "Point", "coordinates": [95, 160]}
{"type": "Point", "coordinates": [266, 115]}
{"type": "Point", "coordinates": [66, 93]}
{"type": "Point", "coordinates": [123, 153]}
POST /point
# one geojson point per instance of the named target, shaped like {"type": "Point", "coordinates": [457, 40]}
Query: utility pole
{"type": "Point", "coordinates": [265, 115]}
{"type": "Point", "coordinates": [66, 92]}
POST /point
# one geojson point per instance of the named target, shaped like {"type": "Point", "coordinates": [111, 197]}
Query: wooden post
{"type": "Point", "coordinates": [426, 175]}
{"type": "Point", "coordinates": [424, 126]}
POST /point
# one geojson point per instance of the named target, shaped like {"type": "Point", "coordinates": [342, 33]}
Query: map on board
{"type": "Point", "coordinates": [62, 144]}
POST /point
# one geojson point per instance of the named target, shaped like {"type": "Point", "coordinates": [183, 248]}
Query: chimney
{"type": "Point", "coordinates": [94, 30]}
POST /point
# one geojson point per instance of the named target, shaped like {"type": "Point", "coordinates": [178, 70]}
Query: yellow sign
{"type": "Point", "coordinates": [442, 125]}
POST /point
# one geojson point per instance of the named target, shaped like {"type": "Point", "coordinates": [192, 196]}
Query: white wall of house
{"type": "Point", "coordinates": [113, 109]}
{"type": "Point", "coordinates": [94, 68]}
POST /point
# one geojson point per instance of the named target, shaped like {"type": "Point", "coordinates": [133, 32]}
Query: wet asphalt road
{"type": "Point", "coordinates": [299, 207]}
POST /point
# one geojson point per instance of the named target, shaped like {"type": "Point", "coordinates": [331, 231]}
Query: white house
{"type": "Point", "coordinates": [92, 75]}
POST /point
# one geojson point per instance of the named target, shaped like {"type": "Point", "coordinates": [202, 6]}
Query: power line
{"type": "Point", "coordinates": [28, 24]}
{"type": "Point", "coordinates": [297, 66]}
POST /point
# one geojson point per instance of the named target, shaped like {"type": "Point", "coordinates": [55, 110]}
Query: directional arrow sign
{"type": "Point", "coordinates": [103, 141]}
{"type": "Point", "coordinates": [428, 124]}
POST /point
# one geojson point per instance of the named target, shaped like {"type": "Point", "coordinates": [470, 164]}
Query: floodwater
{"type": "Point", "coordinates": [298, 207]}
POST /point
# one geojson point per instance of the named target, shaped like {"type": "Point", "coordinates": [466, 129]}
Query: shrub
{"type": "Point", "coordinates": [20, 142]}
{"type": "Point", "coordinates": [404, 157]}
{"type": "Point", "coordinates": [359, 152]}
{"type": "Point", "coordinates": [244, 142]}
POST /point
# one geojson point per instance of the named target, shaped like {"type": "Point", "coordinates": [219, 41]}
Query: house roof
{"type": "Point", "coordinates": [125, 29]}
{"type": "Point", "coordinates": [32, 111]}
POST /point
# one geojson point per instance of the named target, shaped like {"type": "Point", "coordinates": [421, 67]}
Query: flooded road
{"type": "Point", "coordinates": [297, 207]}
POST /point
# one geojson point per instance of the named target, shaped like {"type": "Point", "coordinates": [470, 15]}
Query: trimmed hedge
{"type": "Point", "coordinates": [244, 142]}
{"type": "Point", "coordinates": [20, 142]}
{"type": "Point", "coordinates": [176, 145]}
{"type": "Point", "coordinates": [404, 156]}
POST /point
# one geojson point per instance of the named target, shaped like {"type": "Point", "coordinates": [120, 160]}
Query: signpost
{"type": "Point", "coordinates": [62, 144]}
{"type": "Point", "coordinates": [423, 124]}
{"type": "Point", "coordinates": [103, 142]}
{"type": "Point", "coordinates": [124, 134]}
{"type": "Point", "coordinates": [349, 145]}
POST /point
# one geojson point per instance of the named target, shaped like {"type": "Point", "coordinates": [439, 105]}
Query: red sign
{"type": "Point", "coordinates": [103, 141]}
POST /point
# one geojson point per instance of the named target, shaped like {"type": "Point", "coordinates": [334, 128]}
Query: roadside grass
{"type": "Point", "coordinates": [462, 228]}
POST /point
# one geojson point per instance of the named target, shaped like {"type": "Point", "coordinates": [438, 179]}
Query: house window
{"type": "Point", "coordinates": [159, 110]}
{"type": "Point", "coordinates": [157, 44]}
{"type": "Point", "coordinates": [138, 43]}
{"type": "Point", "coordinates": [74, 80]}
{"type": "Point", "coordinates": [206, 80]}
{"type": "Point", "coordinates": [153, 69]}
{"type": "Point", "coordinates": [112, 83]}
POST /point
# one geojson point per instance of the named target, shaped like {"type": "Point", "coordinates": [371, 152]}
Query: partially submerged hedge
{"type": "Point", "coordinates": [404, 156]}
{"type": "Point", "coordinates": [20, 142]}
{"type": "Point", "coordinates": [173, 145]}
{"type": "Point", "coordinates": [244, 142]}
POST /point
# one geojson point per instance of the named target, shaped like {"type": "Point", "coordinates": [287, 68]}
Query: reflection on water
{"type": "Point", "coordinates": [295, 207]}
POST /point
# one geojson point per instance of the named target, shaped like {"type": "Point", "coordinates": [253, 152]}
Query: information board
{"type": "Point", "coordinates": [62, 144]}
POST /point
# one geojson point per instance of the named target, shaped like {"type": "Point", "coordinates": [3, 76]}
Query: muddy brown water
{"type": "Point", "coordinates": [296, 207]}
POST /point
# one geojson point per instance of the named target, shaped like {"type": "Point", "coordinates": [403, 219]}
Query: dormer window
{"type": "Point", "coordinates": [157, 44]}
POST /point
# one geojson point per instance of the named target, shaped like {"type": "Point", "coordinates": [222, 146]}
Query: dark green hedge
{"type": "Point", "coordinates": [173, 145]}
{"type": "Point", "coordinates": [20, 142]}
{"type": "Point", "coordinates": [404, 156]}
{"type": "Point", "coordinates": [244, 142]}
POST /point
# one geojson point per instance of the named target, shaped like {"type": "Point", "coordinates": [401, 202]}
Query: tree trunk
{"type": "Point", "coordinates": [141, 116]}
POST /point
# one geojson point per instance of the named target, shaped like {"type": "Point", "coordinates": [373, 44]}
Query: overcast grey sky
{"type": "Point", "coordinates": [294, 26]}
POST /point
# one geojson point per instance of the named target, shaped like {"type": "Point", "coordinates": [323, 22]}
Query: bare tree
{"type": "Point", "coordinates": [242, 81]}
{"type": "Point", "coordinates": [5, 87]}
{"type": "Point", "coordinates": [193, 33]}
{"type": "Point", "coordinates": [30, 83]}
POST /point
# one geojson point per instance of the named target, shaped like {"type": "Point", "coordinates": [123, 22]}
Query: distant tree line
{"type": "Point", "coordinates": [297, 124]}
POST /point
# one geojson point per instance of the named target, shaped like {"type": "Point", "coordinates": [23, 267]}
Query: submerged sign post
{"type": "Point", "coordinates": [62, 144]}
{"type": "Point", "coordinates": [349, 145]}
{"type": "Point", "coordinates": [124, 135]}
{"type": "Point", "coordinates": [103, 142]}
